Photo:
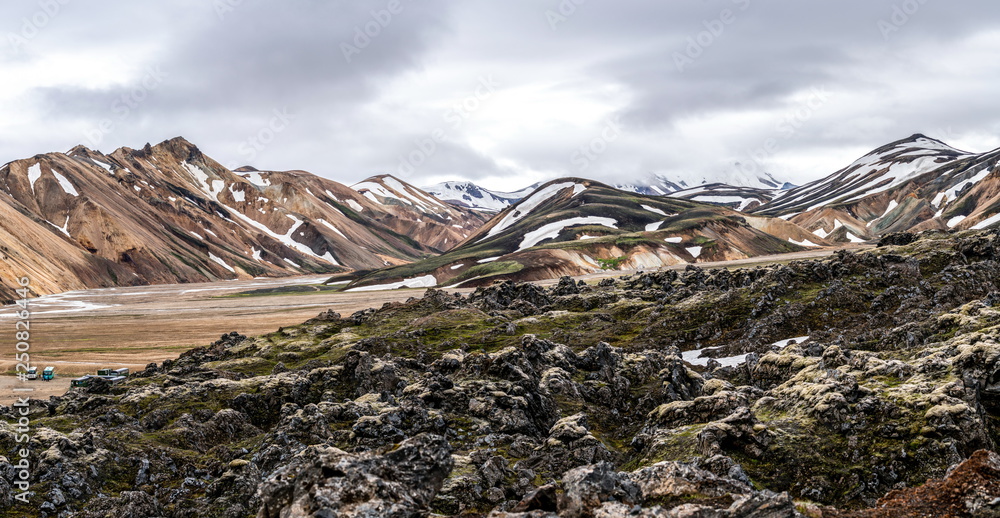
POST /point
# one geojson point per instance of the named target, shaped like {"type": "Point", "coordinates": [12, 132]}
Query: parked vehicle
{"type": "Point", "coordinates": [83, 381]}
{"type": "Point", "coordinates": [49, 373]}
{"type": "Point", "coordinates": [114, 376]}
{"type": "Point", "coordinates": [32, 373]}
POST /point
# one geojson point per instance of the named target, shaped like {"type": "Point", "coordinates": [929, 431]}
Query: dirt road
{"type": "Point", "coordinates": [11, 389]}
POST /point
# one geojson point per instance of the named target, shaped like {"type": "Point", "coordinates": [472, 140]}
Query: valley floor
{"type": "Point", "coordinates": [79, 332]}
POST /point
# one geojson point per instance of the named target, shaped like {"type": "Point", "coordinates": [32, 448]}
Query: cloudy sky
{"type": "Point", "coordinates": [502, 93]}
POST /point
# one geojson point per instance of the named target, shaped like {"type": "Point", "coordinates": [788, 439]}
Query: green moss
{"type": "Point", "coordinates": [678, 444]}
{"type": "Point", "coordinates": [613, 263]}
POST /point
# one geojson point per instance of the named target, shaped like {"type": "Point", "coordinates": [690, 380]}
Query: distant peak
{"type": "Point", "coordinates": [575, 179]}
{"type": "Point", "coordinates": [385, 180]}
{"type": "Point", "coordinates": [82, 151]}
{"type": "Point", "coordinates": [179, 147]}
{"type": "Point", "coordinates": [916, 137]}
{"type": "Point", "coordinates": [176, 141]}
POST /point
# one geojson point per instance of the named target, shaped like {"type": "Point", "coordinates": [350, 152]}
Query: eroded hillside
{"type": "Point", "coordinates": [169, 213]}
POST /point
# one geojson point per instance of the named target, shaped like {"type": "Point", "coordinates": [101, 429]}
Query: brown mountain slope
{"type": "Point", "coordinates": [169, 213]}
{"type": "Point", "coordinates": [442, 226]}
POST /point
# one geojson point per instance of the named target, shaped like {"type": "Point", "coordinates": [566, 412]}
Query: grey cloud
{"type": "Point", "coordinates": [226, 75]}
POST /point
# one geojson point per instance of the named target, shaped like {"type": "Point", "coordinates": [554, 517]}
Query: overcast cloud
{"type": "Point", "coordinates": [502, 93]}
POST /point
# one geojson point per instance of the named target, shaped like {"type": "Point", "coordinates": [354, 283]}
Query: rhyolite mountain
{"type": "Point", "coordinates": [917, 183]}
{"type": "Point", "coordinates": [468, 194]}
{"type": "Point", "coordinates": [573, 226]}
{"type": "Point", "coordinates": [169, 213]}
{"type": "Point", "coordinates": [661, 184]}
{"type": "Point", "coordinates": [419, 215]}
{"type": "Point", "coordinates": [742, 199]}
{"type": "Point", "coordinates": [832, 388]}
{"type": "Point", "coordinates": [724, 189]}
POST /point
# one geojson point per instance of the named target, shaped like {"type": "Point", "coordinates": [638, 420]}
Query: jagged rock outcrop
{"type": "Point", "coordinates": [834, 387]}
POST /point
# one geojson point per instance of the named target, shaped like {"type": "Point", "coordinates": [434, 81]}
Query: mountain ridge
{"type": "Point", "coordinates": [574, 226]}
{"type": "Point", "coordinates": [915, 183]}
{"type": "Point", "coordinates": [468, 194]}
{"type": "Point", "coordinates": [169, 213]}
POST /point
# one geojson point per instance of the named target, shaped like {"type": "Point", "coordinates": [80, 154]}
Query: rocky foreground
{"type": "Point", "coordinates": [574, 401]}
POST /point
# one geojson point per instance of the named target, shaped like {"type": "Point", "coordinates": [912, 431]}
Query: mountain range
{"type": "Point", "coordinates": [169, 213]}
{"type": "Point", "coordinates": [468, 194]}
{"type": "Point", "coordinates": [735, 189]}
{"type": "Point", "coordinates": [660, 184]}
{"type": "Point", "coordinates": [573, 226]}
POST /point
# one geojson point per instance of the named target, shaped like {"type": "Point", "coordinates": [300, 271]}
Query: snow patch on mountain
{"type": "Point", "coordinates": [804, 242]}
{"type": "Point", "coordinates": [388, 187]}
{"type": "Point", "coordinates": [987, 222]}
{"type": "Point", "coordinates": [654, 210]}
{"type": "Point", "coordinates": [468, 194]}
{"type": "Point", "coordinates": [524, 207]}
{"type": "Point", "coordinates": [552, 230]}
{"type": "Point", "coordinates": [65, 184]}
{"type": "Point", "coordinates": [427, 281]}
{"type": "Point", "coordinates": [218, 260]}
{"type": "Point", "coordinates": [333, 228]}
{"type": "Point", "coordinates": [256, 178]}
{"type": "Point", "coordinates": [34, 173]}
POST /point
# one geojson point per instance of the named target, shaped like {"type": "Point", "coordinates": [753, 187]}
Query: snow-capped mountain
{"type": "Point", "coordinates": [468, 194]}
{"type": "Point", "coordinates": [659, 184]}
{"type": "Point", "coordinates": [737, 198]}
{"type": "Point", "coordinates": [439, 224]}
{"type": "Point", "coordinates": [573, 226]}
{"type": "Point", "coordinates": [917, 183]}
{"type": "Point", "coordinates": [169, 213]}
{"type": "Point", "coordinates": [752, 190]}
